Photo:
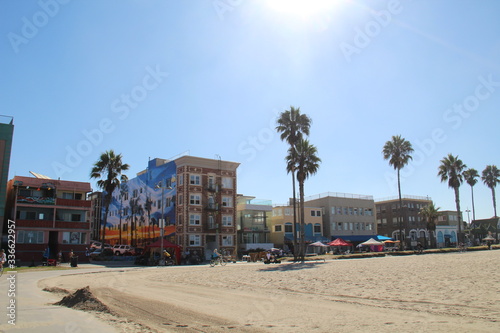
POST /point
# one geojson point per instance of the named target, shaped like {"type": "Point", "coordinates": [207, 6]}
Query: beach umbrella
{"type": "Point", "coordinates": [372, 241]}
{"type": "Point", "coordinates": [317, 244]}
{"type": "Point", "coordinates": [488, 238]}
{"type": "Point", "coordinates": [339, 242]}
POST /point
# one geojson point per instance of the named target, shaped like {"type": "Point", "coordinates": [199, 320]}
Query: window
{"type": "Point", "coordinates": [288, 211]}
{"type": "Point", "coordinates": [195, 199]}
{"type": "Point", "coordinates": [317, 228]}
{"type": "Point", "coordinates": [227, 202]}
{"type": "Point", "coordinates": [227, 182]}
{"type": "Point", "coordinates": [227, 240]}
{"type": "Point", "coordinates": [344, 209]}
{"type": "Point", "coordinates": [194, 180]}
{"type": "Point", "coordinates": [339, 226]}
{"type": "Point", "coordinates": [351, 226]}
{"type": "Point", "coordinates": [227, 220]}
{"type": "Point", "coordinates": [361, 210]}
{"type": "Point", "coordinates": [135, 193]}
{"type": "Point", "coordinates": [368, 212]}
{"type": "Point", "coordinates": [355, 211]}
{"type": "Point", "coordinates": [194, 219]}
{"type": "Point", "coordinates": [181, 179]}
{"type": "Point", "coordinates": [74, 237]}
{"type": "Point", "coordinates": [194, 240]}
{"type": "Point", "coordinates": [211, 222]}
{"type": "Point", "coordinates": [76, 217]}
{"type": "Point", "coordinates": [334, 226]}
{"type": "Point", "coordinates": [339, 210]}
{"type": "Point", "coordinates": [277, 212]}
{"type": "Point", "coordinates": [315, 213]}
{"type": "Point", "coordinates": [394, 220]}
{"type": "Point", "coordinates": [29, 237]}
{"type": "Point", "coordinates": [67, 195]}
{"type": "Point", "coordinates": [288, 227]}
{"type": "Point", "coordinates": [351, 212]}
{"type": "Point", "coordinates": [333, 210]}
{"type": "Point", "coordinates": [278, 228]}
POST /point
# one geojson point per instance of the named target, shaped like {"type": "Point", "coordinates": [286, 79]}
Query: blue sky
{"type": "Point", "coordinates": [160, 78]}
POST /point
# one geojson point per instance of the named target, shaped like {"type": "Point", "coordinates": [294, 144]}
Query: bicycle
{"type": "Point", "coordinates": [218, 261]}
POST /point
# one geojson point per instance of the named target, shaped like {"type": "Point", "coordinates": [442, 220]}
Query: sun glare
{"type": "Point", "coordinates": [302, 9]}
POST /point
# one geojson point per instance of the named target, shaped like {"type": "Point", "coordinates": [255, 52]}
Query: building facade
{"type": "Point", "coordinates": [348, 216]}
{"type": "Point", "coordinates": [191, 201]}
{"type": "Point", "coordinates": [252, 222]}
{"type": "Point", "coordinates": [390, 215]}
{"type": "Point", "coordinates": [6, 134]}
{"type": "Point", "coordinates": [50, 214]}
{"type": "Point", "coordinates": [282, 228]}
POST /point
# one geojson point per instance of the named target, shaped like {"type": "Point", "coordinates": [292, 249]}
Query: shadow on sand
{"type": "Point", "coordinates": [293, 266]}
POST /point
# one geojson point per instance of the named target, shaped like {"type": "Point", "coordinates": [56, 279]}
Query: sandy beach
{"type": "Point", "coordinates": [456, 292]}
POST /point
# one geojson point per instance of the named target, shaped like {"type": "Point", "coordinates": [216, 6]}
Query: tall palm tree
{"type": "Point", "coordinates": [430, 213]}
{"type": "Point", "coordinates": [470, 176]}
{"type": "Point", "coordinates": [398, 152]}
{"type": "Point", "coordinates": [123, 193]}
{"type": "Point", "coordinates": [451, 170]}
{"type": "Point", "coordinates": [293, 126]}
{"type": "Point", "coordinates": [491, 177]}
{"type": "Point", "coordinates": [108, 169]}
{"type": "Point", "coordinates": [306, 162]}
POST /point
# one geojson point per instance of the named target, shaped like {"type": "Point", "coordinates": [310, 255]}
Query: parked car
{"type": "Point", "coordinates": [120, 249]}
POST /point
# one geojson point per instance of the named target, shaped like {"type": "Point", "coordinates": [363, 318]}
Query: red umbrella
{"type": "Point", "coordinates": [339, 242]}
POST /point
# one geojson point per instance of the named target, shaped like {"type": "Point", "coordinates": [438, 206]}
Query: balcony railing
{"type": "Point", "coordinates": [74, 203]}
{"type": "Point", "coordinates": [36, 200]}
{"type": "Point", "coordinates": [212, 207]}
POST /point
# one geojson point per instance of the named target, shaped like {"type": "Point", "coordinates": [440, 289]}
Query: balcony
{"type": "Point", "coordinates": [72, 225]}
{"type": "Point", "coordinates": [212, 207]}
{"type": "Point", "coordinates": [36, 200]}
{"type": "Point", "coordinates": [212, 187]}
{"type": "Point", "coordinates": [74, 203]}
{"type": "Point", "coordinates": [35, 223]}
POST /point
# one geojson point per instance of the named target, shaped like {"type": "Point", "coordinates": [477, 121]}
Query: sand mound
{"type": "Point", "coordinates": [56, 290]}
{"type": "Point", "coordinates": [83, 299]}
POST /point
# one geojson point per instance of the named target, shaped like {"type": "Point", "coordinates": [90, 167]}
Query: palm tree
{"type": "Point", "coordinates": [108, 169]}
{"type": "Point", "coordinates": [398, 152]}
{"type": "Point", "coordinates": [123, 193]}
{"type": "Point", "coordinates": [293, 126]}
{"type": "Point", "coordinates": [430, 213]}
{"type": "Point", "coordinates": [303, 158]}
{"type": "Point", "coordinates": [490, 178]}
{"type": "Point", "coordinates": [470, 176]}
{"type": "Point", "coordinates": [451, 170]}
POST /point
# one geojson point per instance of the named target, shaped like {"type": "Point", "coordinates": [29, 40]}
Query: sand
{"type": "Point", "coordinates": [456, 292]}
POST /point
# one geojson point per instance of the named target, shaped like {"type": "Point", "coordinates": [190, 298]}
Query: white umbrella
{"type": "Point", "coordinates": [318, 244]}
{"type": "Point", "coordinates": [372, 241]}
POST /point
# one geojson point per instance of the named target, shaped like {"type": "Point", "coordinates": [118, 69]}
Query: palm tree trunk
{"type": "Point", "coordinates": [294, 198]}
{"type": "Point", "coordinates": [302, 224]}
{"type": "Point", "coordinates": [400, 215]}
{"type": "Point", "coordinates": [473, 208]}
{"type": "Point", "coordinates": [457, 202]}
{"type": "Point", "coordinates": [104, 225]}
{"type": "Point", "coordinates": [494, 201]}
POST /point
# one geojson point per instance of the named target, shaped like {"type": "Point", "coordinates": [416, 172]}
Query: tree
{"type": "Point", "coordinates": [123, 193]}
{"type": "Point", "coordinates": [491, 177]}
{"type": "Point", "coordinates": [470, 176]}
{"type": "Point", "coordinates": [451, 170]}
{"type": "Point", "coordinates": [430, 213]}
{"type": "Point", "coordinates": [398, 152]}
{"type": "Point", "coordinates": [293, 126]}
{"type": "Point", "coordinates": [108, 169]}
{"type": "Point", "coordinates": [303, 158]}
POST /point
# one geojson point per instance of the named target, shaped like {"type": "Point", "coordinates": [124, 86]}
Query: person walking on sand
{"type": "Point", "coordinates": [3, 257]}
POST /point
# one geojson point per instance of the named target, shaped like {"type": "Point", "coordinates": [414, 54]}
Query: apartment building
{"type": "Point", "coordinates": [189, 200]}
{"type": "Point", "coordinates": [48, 213]}
{"type": "Point", "coordinates": [252, 222]}
{"type": "Point", "coordinates": [390, 215]}
{"type": "Point", "coordinates": [282, 227]}
{"type": "Point", "coordinates": [348, 216]}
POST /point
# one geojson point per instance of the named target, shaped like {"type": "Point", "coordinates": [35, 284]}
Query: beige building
{"type": "Point", "coordinates": [348, 216]}
{"type": "Point", "coordinates": [281, 225]}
